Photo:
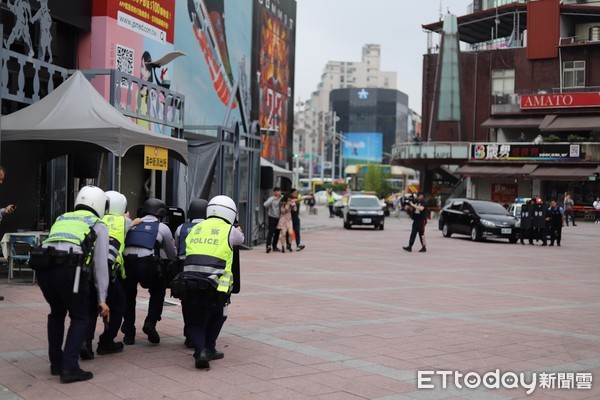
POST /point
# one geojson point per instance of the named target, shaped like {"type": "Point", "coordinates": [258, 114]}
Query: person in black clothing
{"type": "Point", "coordinates": [419, 216]}
{"type": "Point", "coordinates": [526, 230]}
{"type": "Point", "coordinates": [555, 218]}
{"type": "Point", "coordinates": [538, 222]}
{"type": "Point", "coordinates": [295, 221]}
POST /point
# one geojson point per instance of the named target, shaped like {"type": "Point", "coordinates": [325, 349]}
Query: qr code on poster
{"type": "Point", "coordinates": [124, 61]}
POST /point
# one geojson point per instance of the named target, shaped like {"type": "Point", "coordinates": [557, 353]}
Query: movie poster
{"type": "Point", "coordinates": [273, 68]}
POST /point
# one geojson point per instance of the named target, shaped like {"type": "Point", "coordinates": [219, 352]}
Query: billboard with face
{"type": "Point", "coordinates": [273, 53]}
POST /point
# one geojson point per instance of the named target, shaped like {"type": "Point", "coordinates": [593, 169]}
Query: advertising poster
{"type": "Point", "coordinates": [360, 148]}
{"type": "Point", "coordinates": [273, 75]}
{"type": "Point", "coordinates": [504, 193]}
{"type": "Point", "coordinates": [130, 36]}
{"type": "Point", "coordinates": [216, 35]}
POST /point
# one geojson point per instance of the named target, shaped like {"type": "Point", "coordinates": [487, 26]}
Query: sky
{"type": "Point", "coordinates": [336, 30]}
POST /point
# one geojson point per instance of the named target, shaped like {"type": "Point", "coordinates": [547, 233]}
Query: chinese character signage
{"type": "Point", "coordinates": [156, 158]}
{"type": "Point", "coordinates": [504, 193]}
{"type": "Point", "coordinates": [525, 152]}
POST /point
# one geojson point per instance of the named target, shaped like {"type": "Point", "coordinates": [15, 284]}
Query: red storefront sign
{"type": "Point", "coordinates": [560, 100]}
{"type": "Point", "coordinates": [504, 193]}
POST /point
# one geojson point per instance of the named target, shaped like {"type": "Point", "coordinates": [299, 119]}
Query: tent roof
{"type": "Point", "coordinates": [280, 171]}
{"type": "Point", "coordinates": [76, 112]}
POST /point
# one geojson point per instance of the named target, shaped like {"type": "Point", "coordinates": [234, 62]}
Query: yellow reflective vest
{"type": "Point", "coordinates": [208, 252]}
{"type": "Point", "coordinates": [116, 224]}
{"type": "Point", "coordinates": [73, 227]}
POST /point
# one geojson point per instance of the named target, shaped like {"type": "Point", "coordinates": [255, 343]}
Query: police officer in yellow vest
{"type": "Point", "coordinates": [208, 278]}
{"type": "Point", "coordinates": [118, 225]}
{"type": "Point", "coordinates": [76, 247]}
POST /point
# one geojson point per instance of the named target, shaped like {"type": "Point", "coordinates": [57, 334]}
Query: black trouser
{"type": "Point", "coordinates": [331, 214]}
{"type": "Point", "coordinates": [57, 286]}
{"type": "Point", "coordinates": [569, 213]}
{"type": "Point", "coordinates": [146, 274]}
{"type": "Point", "coordinates": [273, 235]}
{"type": "Point", "coordinates": [526, 233]}
{"type": "Point", "coordinates": [555, 233]}
{"type": "Point", "coordinates": [418, 227]}
{"type": "Point", "coordinates": [296, 225]}
{"type": "Point", "coordinates": [115, 299]}
{"type": "Point", "coordinates": [203, 318]}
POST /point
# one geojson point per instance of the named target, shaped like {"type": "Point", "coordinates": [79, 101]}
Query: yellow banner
{"type": "Point", "coordinates": [156, 158]}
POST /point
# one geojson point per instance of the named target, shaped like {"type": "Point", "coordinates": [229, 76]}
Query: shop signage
{"type": "Point", "coordinates": [504, 193]}
{"type": "Point", "coordinates": [156, 158]}
{"type": "Point", "coordinates": [560, 100]}
{"type": "Point", "coordinates": [524, 152]}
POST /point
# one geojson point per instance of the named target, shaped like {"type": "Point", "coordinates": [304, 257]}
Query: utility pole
{"type": "Point", "coordinates": [322, 146]}
{"type": "Point", "coordinates": [334, 120]}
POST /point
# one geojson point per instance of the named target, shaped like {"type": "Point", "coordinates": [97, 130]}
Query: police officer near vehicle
{"type": "Point", "coordinates": [118, 225]}
{"type": "Point", "coordinates": [538, 221]}
{"type": "Point", "coordinates": [419, 216]}
{"type": "Point", "coordinates": [76, 247]}
{"type": "Point", "coordinates": [142, 254]}
{"type": "Point", "coordinates": [208, 278]}
{"type": "Point", "coordinates": [526, 218]}
{"type": "Point", "coordinates": [556, 219]}
{"type": "Point", "coordinates": [196, 214]}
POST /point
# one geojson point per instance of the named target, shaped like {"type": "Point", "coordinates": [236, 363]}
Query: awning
{"type": "Point", "coordinates": [564, 173]}
{"type": "Point", "coordinates": [530, 122]}
{"type": "Point", "coordinates": [554, 123]}
{"type": "Point", "coordinates": [496, 170]}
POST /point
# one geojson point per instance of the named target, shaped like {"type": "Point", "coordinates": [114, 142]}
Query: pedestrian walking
{"type": "Point", "coordinates": [419, 217]}
{"type": "Point", "coordinates": [205, 284]}
{"type": "Point", "coordinates": [4, 210]}
{"type": "Point", "coordinates": [76, 247]}
{"type": "Point", "coordinates": [597, 208]}
{"type": "Point", "coordinates": [296, 219]}
{"type": "Point", "coordinates": [555, 220]}
{"type": "Point", "coordinates": [273, 211]}
{"type": "Point", "coordinates": [142, 254]}
{"type": "Point", "coordinates": [568, 209]}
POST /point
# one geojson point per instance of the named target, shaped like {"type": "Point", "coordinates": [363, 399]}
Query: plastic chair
{"type": "Point", "coordinates": [20, 247]}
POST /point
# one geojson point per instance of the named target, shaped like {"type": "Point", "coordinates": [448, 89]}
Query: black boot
{"type": "Point", "coordinates": [86, 352]}
{"type": "Point", "coordinates": [202, 360]}
{"type": "Point", "coordinates": [109, 348]}
{"type": "Point", "coordinates": [150, 330]}
{"type": "Point", "coordinates": [75, 375]}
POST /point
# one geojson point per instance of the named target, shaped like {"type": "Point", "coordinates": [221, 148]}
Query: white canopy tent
{"type": "Point", "coordinates": [76, 113]}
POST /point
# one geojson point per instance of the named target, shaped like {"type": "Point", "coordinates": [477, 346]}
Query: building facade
{"type": "Point", "coordinates": [526, 118]}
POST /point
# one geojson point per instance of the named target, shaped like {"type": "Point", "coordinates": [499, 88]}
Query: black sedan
{"type": "Point", "coordinates": [363, 210]}
{"type": "Point", "coordinates": [479, 219]}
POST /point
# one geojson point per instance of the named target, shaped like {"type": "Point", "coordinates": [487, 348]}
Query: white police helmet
{"type": "Point", "coordinates": [222, 207]}
{"type": "Point", "coordinates": [93, 199]}
{"type": "Point", "coordinates": [117, 203]}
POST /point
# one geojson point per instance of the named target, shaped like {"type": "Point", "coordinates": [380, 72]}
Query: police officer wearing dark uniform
{"type": "Point", "coordinates": [526, 231]}
{"type": "Point", "coordinates": [538, 221]}
{"type": "Point", "coordinates": [556, 219]}
{"type": "Point", "coordinates": [206, 282]}
{"type": "Point", "coordinates": [142, 254]}
{"type": "Point", "coordinates": [76, 247]}
{"type": "Point", "coordinates": [196, 214]}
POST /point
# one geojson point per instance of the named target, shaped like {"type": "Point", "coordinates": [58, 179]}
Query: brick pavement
{"type": "Point", "coordinates": [352, 317]}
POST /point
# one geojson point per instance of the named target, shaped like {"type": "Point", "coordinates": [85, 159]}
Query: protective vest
{"type": "Point", "coordinates": [186, 227]}
{"type": "Point", "coordinates": [74, 227]}
{"type": "Point", "coordinates": [556, 215]}
{"type": "Point", "coordinates": [143, 235]}
{"type": "Point", "coordinates": [331, 199]}
{"type": "Point", "coordinates": [209, 253]}
{"type": "Point", "coordinates": [117, 225]}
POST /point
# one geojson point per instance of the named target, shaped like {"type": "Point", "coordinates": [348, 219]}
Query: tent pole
{"type": "Point", "coordinates": [119, 175]}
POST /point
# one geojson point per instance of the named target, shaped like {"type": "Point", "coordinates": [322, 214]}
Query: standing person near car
{"type": "Point", "coordinates": [538, 221]}
{"type": "Point", "coordinates": [296, 198]}
{"type": "Point", "coordinates": [330, 202]}
{"type": "Point", "coordinates": [568, 209]}
{"type": "Point", "coordinates": [76, 247]}
{"type": "Point", "coordinates": [419, 216]}
{"type": "Point", "coordinates": [142, 254]}
{"type": "Point", "coordinates": [556, 220]}
{"type": "Point", "coordinates": [526, 222]}
{"type": "Point", "coordinates": [273, 211]}
{"type": "Point", "coordinates": [597, 210]}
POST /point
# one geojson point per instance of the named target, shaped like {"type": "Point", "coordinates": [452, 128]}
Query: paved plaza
{"type": "Point", "coordinates": [353, 316]}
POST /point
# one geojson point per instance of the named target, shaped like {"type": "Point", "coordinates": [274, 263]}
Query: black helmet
{"type": "Point", "coordinates": [197, 209]}
{"type": "Point", "coordinates": [154, 207]}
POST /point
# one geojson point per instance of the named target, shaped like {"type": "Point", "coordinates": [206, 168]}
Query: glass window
{"type": "Point", "coordinates": [573, 74]}
{"type": "Point", "coordinates": [503, 81]}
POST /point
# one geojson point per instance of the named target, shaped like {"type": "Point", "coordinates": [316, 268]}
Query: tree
{"type": "Point", "coordinates": [375, 180]}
